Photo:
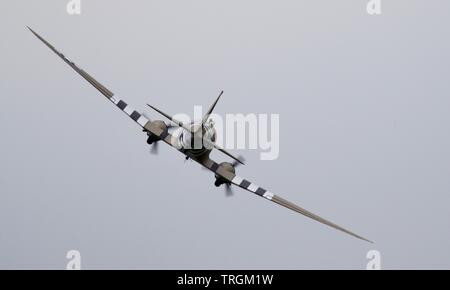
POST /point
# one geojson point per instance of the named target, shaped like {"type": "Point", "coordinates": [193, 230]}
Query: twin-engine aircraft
{"type": "Point", "coordinates": [195, 140]}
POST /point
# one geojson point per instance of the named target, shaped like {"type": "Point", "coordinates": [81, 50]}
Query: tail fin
{"type": "Point", "coordinates": [208, 113]}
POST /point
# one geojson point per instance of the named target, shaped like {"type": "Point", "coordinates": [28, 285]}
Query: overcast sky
{"type": "Point", "coordinates": [364, 140]}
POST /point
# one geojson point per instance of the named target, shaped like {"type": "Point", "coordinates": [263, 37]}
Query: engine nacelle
{"type": "Point", "coordinates": [159, 124]}
{"type": "Point", "coordinates": [228, 167]}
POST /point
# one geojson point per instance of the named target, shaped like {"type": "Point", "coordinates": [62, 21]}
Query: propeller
{"type": "Point", "coordinates": [237, 163]}
{"type": "Point", "coordinates": [154, 143]}
{"type": "Point", "coordinates": [154, 148]}
{"type": "Point", "coordinates": [228, 190]}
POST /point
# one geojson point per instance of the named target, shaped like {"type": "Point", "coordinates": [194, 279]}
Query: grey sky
{"type": "Point", "coordinates": [365, 133]}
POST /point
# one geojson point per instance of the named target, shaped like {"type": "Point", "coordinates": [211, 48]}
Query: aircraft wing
{"type": "Point", "coordinates": [118, 101]}
{"type": "Point", "coordinates": [252, 187]}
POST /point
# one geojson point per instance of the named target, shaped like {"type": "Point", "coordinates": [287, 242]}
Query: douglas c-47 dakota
{"type": "Point", "coordinates": [186, 140]}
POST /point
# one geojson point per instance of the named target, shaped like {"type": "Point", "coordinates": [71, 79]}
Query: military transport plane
{"type": "Point", "coordinates": [201, 132]}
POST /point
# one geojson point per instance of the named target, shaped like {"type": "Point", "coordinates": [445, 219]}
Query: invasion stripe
{"type": "Point", "coordinates": [122, 105]}
{"type": "Point", "coordinates": [268, 195]}
{"type": "Point", "coordinates": [253, 187]}
{"type": "Point", "coordinates": [142, 121]}
{"type": "Point", "coordinates": [245, 184]}
{"type": "Point", "coordinates": [128, 110]}
{"type": "Point", "coordinates": [260, 191]}
{"type": "Point", "coordinates": [214, 167]}
{"type": "Point", "coordinates": [164, 134]}
{"type": "Point", "coordinates": [135, 116]}
{"type": "Point", "coordinates": [237, 180]}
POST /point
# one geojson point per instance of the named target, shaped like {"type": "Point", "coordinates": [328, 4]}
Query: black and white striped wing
{"type": "Point", "coordinates": [249, 186]}
{"type": "Point", "coordinates": [121, 104]}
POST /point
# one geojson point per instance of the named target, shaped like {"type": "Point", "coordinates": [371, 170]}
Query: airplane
{"type": "Point", "coordinates": [186, 142]}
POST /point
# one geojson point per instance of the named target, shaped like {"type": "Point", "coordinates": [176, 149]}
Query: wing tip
{"type": "Point", "coordinates": [317, 218]}
{"type": "Point", "coordinates": [35, 34]}
{"type": "Point", "coordinates": [29, 28]}
{"type": "Point", "coordinates": [372, 242]}
{"type": "Point", "coordinates": [367, 240]}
